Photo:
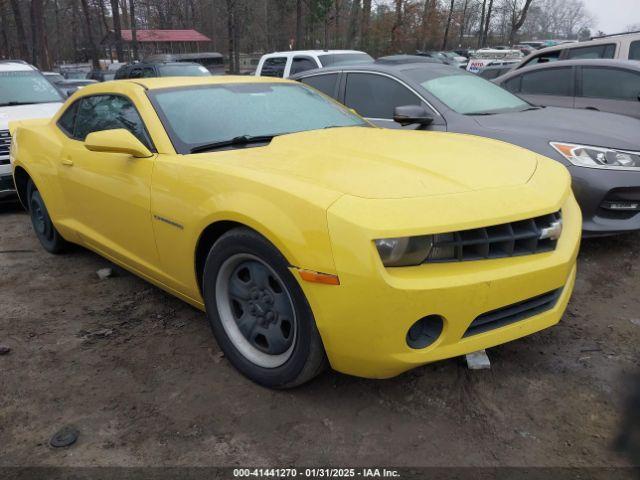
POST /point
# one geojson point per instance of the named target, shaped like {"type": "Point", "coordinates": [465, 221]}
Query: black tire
{"type": "Point", "coordinates": [283, 303]}
{"type": "Point", "coordinates": [49, 237]}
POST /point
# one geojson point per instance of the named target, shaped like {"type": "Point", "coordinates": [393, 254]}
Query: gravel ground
{"type": "Point", "coordinates": [141, 377]}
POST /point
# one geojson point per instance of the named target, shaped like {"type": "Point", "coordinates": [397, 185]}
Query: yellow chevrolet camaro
{"type": "Point", "coordinates": [305, 234]}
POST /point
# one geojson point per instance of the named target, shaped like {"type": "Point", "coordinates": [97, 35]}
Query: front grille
{"type": "Point", "coordinates": [525, 237]}
{"type": "Point", "coordinates": [5, 143]}
{"type": "Point", "coordinates": [6, 183]}
{"type": "Point", "coordinates": [513, 313]}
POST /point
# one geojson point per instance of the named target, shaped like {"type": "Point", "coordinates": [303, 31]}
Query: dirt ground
{"type": "Point", "coordinates": [140, 375]}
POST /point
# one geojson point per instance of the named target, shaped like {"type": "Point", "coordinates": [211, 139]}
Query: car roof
{"type": "Point", "coordinates": [15, 66]}
{"type": "Point", "coordinates": [157, 83]}
{"type": "Point", "coordinates": [312, 52]}
{"type": "Point", "coordinates": [395, 69]}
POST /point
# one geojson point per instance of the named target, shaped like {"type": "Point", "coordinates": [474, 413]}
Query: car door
{"type": "Point", "coordinates": [553, 86]}
{"type": "Point", "coordinates": [375, 96]}
{"type": "Point", "coordinates": [274, 67]}
{"type": "Point", "coordinates": [109, 193]}
{"type": "Point", "coordinates": [607, 89]}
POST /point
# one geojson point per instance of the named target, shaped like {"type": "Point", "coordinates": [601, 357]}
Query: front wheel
{"type": "Point", "coordinates": [49, 237]}
{"type": "Point", "coordinates": [258, 312]}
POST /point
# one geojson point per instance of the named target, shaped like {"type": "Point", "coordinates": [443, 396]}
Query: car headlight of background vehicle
{"type": "Point", "coordinates": [598, 157]}
{"type": "Point", "coordinates": [408, 251]}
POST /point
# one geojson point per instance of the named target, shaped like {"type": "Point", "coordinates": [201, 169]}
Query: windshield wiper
{"type": "Point", "coordinates": [480, 114]}
{"type": "Point", "coordinates": [236, 141]}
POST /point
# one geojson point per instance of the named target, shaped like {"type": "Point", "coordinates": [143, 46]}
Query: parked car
{"type": "Point", "coordinates": [404, 59]}
{"type": "Point", "coordinates": [455, 59]}
{"type": "Point", "coordinates": [298, 229]}
{"type": "Point", "coordinates": [161, 69]}
{"type": "Point", "coordinates": [24, 93]}
{"type": "Point", "coordinates": [212, 61]}
{"type": "Point", "coordinates": [68, 87]}
{"type": "Point", "coordinates": [285, 64]}
{"type": "Point", "coordinates": [601, 150]}
{"type": "Point", "coordinates": [488, 56]}
{"type": "Point", "coordinates": [102, 75]}
{"type": "Point", "coordinates": [603, 85]}
{"type": "Point", "coordinates": [621, 47]}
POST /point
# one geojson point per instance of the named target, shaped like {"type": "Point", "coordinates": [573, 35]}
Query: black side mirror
{"type": "Point", "coordinates": [412, 114]}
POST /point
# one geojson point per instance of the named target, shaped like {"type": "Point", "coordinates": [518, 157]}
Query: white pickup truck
{"type": "Point", "coordinates": [24, 94]}
{"type": "Point", "coordinates": [286, 64]}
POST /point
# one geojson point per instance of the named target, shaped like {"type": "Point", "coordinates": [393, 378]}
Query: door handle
{"type": "Point", "coordinates": [67, 162]}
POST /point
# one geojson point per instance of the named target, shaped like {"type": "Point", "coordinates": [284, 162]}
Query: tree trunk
{"type": "Point", "coordinates": [299, 25]}
{"type": "Point", "coordinates": [134, 30]}
{"type": "Point", "coordinates": [5, 47]}
{"type": "Point", "coordinates": [338, 39]}
{"type": "Point", "coordinates": [395, 30]}
{"type": "Point", "coordinates": [40, 55]}
{"type": "Point", "coordinates": [364, 25]}
{"type": "Point", "coordinates": [517, 25]}
{"type": "Point", "coordinates": [487, 23]}
{"type": "Point", "coordinates": [427, 14]}
{"type": "Point", "coordinates": [463, 22]}
{"type": "Point", "coordinates": [23, 47]}
{"type": "Point", "coordinates": [446, 29]}
{"type": "Point", "coordinates": [354, 23]}
{"type": "Point", "coordinates": [481, 29]}
{"type": "Point", "coordinates": [231, 34]}
{"type": "Point", "coordinates": [95, 56]}
{"type": "Point", "coordinates": [117, 28]}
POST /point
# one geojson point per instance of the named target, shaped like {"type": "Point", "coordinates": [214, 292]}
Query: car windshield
{"type": "Point", "coordinates": [183, 71]}
{"type": "Point", "coordinates": [202, 115]}
{"type": "Point", "coordinates": [75, 75]}
{"type": "Point", "coordinates": [26, 87]}
{"type": "Point", "coordinates": [338, 58]}
{"type": "Point", "coordinates": [469, 94]}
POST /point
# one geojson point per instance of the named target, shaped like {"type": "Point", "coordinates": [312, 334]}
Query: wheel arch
{"type": "Point", "coordinates": [21, 179]}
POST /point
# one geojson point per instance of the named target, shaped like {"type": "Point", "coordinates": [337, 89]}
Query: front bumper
{"type": "Point", "coordinates": [364, 321]}
{"type": "Point", "coordinates": [7, 187]}
{"type": "Point", "coordinates": [593, 187]}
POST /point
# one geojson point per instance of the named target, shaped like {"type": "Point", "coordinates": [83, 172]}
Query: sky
{"type": "Point", "coordinates": [613, 16]}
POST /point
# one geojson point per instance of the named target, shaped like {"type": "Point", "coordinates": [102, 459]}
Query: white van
{"type": "Point", "coordinates": [286, 64]}
{"type": "Point", "coordinates": [24, 94]}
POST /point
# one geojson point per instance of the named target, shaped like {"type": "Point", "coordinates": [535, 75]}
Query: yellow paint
{"type": "Point", "coordinates": [322, 198]}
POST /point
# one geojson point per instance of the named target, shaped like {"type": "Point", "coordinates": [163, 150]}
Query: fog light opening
{"type": "Point", "coordinates": [425, 332]}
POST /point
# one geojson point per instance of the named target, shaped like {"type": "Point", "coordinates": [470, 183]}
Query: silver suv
{"type": "Point", "coordinates": [624, 46]}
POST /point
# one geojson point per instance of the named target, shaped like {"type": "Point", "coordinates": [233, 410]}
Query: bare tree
{"type": "Point", "coordinates": [365, 23]}
{"type": "Point", "coordinates": [487, 23]}
{"type": "Point", "coordinates": [518, 17]}
{"type": "Point", "coordinates": [354, 24]}
{"type": "Point", "coordinates": [23, 48]}
{"type": "Point", "coordinates": [397, 25]}
{"type": "Point", "coordinates": [40, 53]}
{"type": "Point", "coordinates": [95, 57]}
{"type": "Point", "coordinates": [117, 29]}
{"type": "Point", "coordinates": [134, 30]}
{"type": "Point", "coordinates": [448, 25]}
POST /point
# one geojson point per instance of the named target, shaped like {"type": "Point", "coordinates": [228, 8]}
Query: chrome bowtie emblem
{"type": "Point", "coordinates": [552, 232]}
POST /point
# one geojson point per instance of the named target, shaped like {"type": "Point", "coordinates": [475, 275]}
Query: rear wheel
{"type": "Point", "coordinates": [46, 232]}
{"type": "Point", "coordinates": [258, 312]}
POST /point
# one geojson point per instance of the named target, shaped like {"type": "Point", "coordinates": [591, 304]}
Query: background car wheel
{"type": "Point", "coordinates": [46, 232]}
{"type": "Point", "coordinates": [258, 312]}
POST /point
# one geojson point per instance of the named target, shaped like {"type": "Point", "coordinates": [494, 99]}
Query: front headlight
{"type": "Point", "coordinates": [409, 251]}
{"type": "Point", "coordinates": [598, 157]}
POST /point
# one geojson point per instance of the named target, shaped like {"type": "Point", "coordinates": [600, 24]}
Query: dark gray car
{"type": "Point", "coordinates": [605, 85]}
{"type": "Point", "coordinates": [601, 150]}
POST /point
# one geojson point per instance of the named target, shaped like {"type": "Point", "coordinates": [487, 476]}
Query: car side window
{"type": "Point", "coordinates": [634, 50]}
{"type": "Point", "coordinates": [551, 81]}
{"type": "Point", "coordinates": [548, 57]}
{"type": "Point", "coordinates": [610, 83]}
{"type": "Point", "coordinates": [513, 84]}
{"type": "Point", "coordinates": [107, 112]}
{"type": "Point", "coordinates": [67, 121]}
{"type": "Point", "coordinates": [148, 72]}
{"type": "Point", "coordinates": [325, 83]}
{"type": "Point", "coordinates": [274, 67]}
{"type": "Point", "coordinates": [376, 96]}
{"type": "Point", "coordinates": [136, 73]}
{"type": "Point", "coordinates": [594, 51]}
{"type": "Point", "coordinates": [302, 64]}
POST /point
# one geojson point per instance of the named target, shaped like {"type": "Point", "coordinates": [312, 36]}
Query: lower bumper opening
{"type": "Point", "coordinates": [516, 312]}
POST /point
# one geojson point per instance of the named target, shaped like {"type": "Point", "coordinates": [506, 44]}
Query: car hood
{"type": "Point", "coordinates": [27, 112]}
{"type": "Point", "coordinates": [380, 163]}
{"type": "Point", "coordinates": [569, 125]}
